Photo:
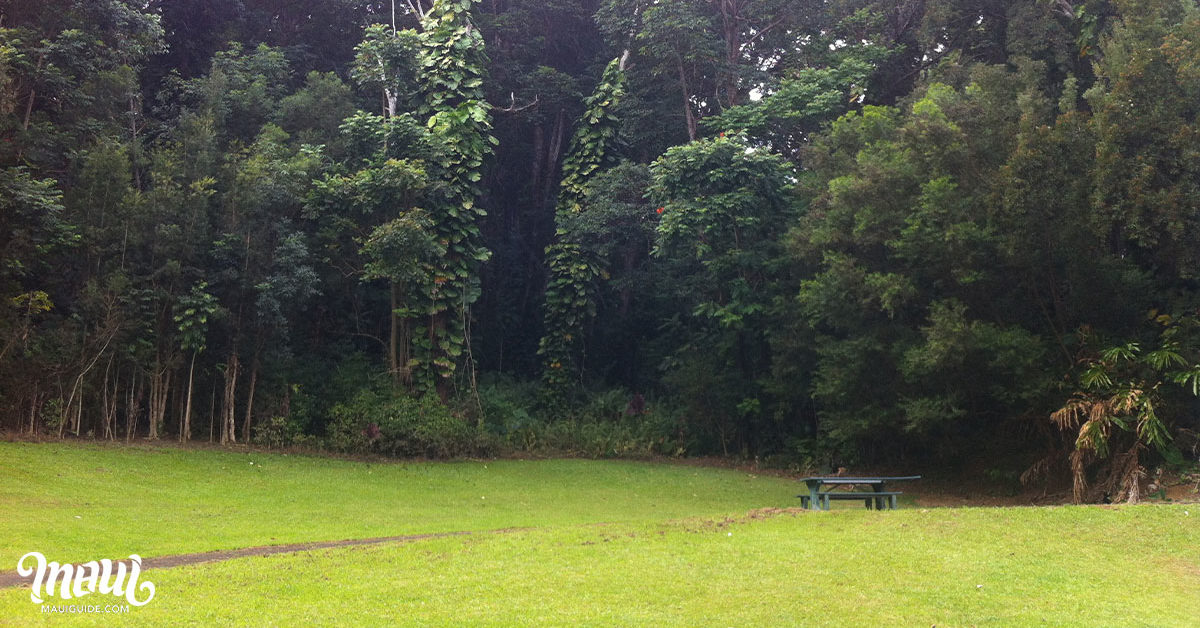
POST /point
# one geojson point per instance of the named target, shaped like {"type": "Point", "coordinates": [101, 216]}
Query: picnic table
{"type": "Point", "coordinates": [879, 497]}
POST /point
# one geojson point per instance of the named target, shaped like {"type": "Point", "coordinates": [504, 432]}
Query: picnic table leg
{"type": "Point", "coordinates": [813, 500]}
{"type": "Point", "coordinates": [879, 501]}
{"type": "Point", "coordinates": [893, 501]}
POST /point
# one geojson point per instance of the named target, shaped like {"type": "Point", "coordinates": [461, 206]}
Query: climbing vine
{"type": "Point", "coordinates": [453, 64]}
{"type": "Point", "coordinates": [575, 270]}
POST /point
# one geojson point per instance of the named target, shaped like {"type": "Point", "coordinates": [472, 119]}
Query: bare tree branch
{"type": "Point", "coordinates": [513, 108]}
{"type": "Point", "coordinates": [416, 8]}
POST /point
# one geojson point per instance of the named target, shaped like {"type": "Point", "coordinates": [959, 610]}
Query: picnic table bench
{"type": "Point", "coordinates": [878, 498]}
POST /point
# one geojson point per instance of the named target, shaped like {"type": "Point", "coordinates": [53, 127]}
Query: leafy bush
{"type": "Point", "coordinates": [279, 432]}
{"type": "Point", "coordinates": [398, 425]}
{"type": "Point", "coordinates": [319, 385]}
{"type": "Point", "coordinates": [601, 425]}
{"type": "Point", "coordinates": [716, 401]}
{"type": "Point", "coordinates": [273, 432]}
{"type": "Point", "coordinates": [642, 435]}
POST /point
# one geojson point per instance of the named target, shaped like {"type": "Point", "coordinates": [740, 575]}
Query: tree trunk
{"type": "Point", "coordinates": [399, 342]}
{"type": "Point", "coordinates": [394, 338]}
{"type": "Point", "coordinates": [731, 19]}
{"type": "Point", "coordinates": [229, 404]}
{"type": "Point", "coordinates": [79, 412]}
{"type": "Point", "coordinates": [160, 386]}
{"type": "Point", "coordinates": [69, 415]}
{"type": "Point", "coordinates": [29, 109]}
{"type": "Point", "coordinates": [392, 101]}
{"type": "Point", "coordinates": [132, 403]}
{"type": "Point", "coordinates": [33, 407]}
{"type": "Point", "coordinates": [437, 337]}
{"type": "Point", "coordinates": [33, 93]}
{"type": "Point", "coordinates": [554, 151]}
{"type": "Point", "coordinates": [405, 352]}
{"type": "Point", "coordinates": [110, 401]}
{"type": "Point", "coordinates": [254, 365]}
{"type": "Point", "coordinates": [212, 415]}
{"type": "Point", "coordinates": [689, 116]}
{"type": "Point", "coordinates": [133, 146]}
{"type": "Point", "coordinates": [185, 425]}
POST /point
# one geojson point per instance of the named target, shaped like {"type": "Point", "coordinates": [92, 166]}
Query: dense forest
{"type": "Point", "coordinates": [803, 232]}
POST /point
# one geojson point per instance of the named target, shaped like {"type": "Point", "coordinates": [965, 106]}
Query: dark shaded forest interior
{"type": "Point", "coordinates": [808, 233]}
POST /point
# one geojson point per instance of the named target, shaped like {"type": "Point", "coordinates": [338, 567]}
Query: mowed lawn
{"type": "Point", "coordinates": [596, 543]}
{"type": "Point", "coordinates": [77, 502]}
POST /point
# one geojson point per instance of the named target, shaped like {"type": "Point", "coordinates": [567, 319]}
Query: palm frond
{"type": "Point", "coordinates": [1190, 376]}
{"type": "Point", "coordinates": [1165, 358]}
{"type": "Point", "coordinates": [1095, 377]}
{"type": "Point", "coordinates": [1120, 353]}
{"type": "Point", "coordinates": [1068, 416]}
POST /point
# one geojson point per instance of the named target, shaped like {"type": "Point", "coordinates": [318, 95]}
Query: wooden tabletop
{"type": "Point", "coordinates": [842, 479]}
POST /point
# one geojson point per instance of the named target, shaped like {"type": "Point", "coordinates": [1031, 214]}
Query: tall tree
{"type": "Point", "coordinates": [574, 269]}
{"type": "Point", "coordinates": [453, 66]}
{"type": "Point", "coordinates": [724, 204]}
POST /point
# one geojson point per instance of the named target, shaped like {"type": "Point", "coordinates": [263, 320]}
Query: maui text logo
{"type": "Point", "coordinates": [85, 579]}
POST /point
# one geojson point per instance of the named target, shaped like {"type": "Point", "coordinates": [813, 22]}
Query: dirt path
{"type": "Point", "coordinates": [12, 579]}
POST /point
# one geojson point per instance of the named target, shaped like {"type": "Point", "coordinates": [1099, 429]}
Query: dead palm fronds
{"type": "Point", "coordinates": [1097, 420]}
{"type": "Point", "coordinates": [1117, 408]}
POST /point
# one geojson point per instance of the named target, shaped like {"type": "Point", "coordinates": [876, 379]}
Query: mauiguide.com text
{"type": "Point", "coordinates": [84, 608]}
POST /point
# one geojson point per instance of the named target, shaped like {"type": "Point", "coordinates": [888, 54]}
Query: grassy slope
{"type": "Point", "coordinates": [1057, 566]}
{"type": "Point", "coordinates": [1084, 566]}
{"type": "Point", "coordinates": [81, 502]}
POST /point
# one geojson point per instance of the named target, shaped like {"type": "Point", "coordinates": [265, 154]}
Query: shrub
{"type": "Point", "coordinates": [603, 424]}
{"type": "Point", "coordinates": [395, 424]}
{"type": "Point", "coordinates": [506, 404]}
{"type": "Point", "coordinates": [273, 432]}
{"type": "Point", "coordinates": [279, 432]}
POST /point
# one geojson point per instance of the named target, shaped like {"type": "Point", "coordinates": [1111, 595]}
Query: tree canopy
{"type": "Point", "coordinates": [815, 232]}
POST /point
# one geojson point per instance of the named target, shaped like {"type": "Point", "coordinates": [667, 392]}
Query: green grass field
{"type": "Point", "coordinates": [573, 543]}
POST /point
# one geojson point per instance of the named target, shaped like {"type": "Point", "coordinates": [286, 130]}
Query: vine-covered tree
{"type": "Point", "coordinates": [814, 232]}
